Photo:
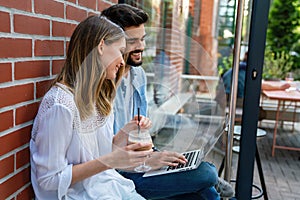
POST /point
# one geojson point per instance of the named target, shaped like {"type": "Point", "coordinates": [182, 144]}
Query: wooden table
{"type": "Point", "coordinates": [282, 96]}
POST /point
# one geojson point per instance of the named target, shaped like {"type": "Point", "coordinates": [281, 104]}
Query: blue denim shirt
{"type": "Point", "coordinates": [139, 98]}
{"type": "Point", "coordinates": [241, 80]}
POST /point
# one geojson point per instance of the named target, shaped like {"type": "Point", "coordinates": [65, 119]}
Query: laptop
{"type": "Point", "coordinates": [194, 158]}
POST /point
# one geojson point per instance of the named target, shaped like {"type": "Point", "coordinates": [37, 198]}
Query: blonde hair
{"type": "Point", "coordinates": [83, 71]}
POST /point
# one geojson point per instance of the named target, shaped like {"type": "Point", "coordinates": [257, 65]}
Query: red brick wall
{"type": "Point", "coordinates": [174, 42]}
{"type": "Point", "coordinates": [203, 52]}
{"type": "Point", "coordinates": [204, 49]}
{"type": "Point", "coordinates": [33, 40]}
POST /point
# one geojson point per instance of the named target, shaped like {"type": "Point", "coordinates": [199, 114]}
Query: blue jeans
{"type": "Point", "coordinates": [193, 184]}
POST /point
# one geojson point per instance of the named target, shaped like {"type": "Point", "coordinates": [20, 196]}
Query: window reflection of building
{"type": "Point", "coordinates": [191, 39]}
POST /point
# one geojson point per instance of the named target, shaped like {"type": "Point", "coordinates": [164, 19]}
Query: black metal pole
{"type": "Point", "coordinates": [261, 175]}
{"type": "Point", "coordinates": [257, 39]}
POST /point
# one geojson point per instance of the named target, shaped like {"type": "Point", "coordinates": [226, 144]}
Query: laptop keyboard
{"type": "Point", "coordinates": [189, 156]}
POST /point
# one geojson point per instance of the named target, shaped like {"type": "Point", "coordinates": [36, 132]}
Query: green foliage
{"type": "Point", "coordinates": [277, 64]}
{"type": "Point", "coordinates": [296, 55]}
{"type": "Point", "coordinates": [296, 74]}
{"type": "Point", "coordinates": [226, 64]}
{"type": "Point", "coordinates": [283, 24]}
{"type": "Point", "coordinates": [283, 39]}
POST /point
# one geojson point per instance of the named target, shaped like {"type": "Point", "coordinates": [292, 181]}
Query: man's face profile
{"type": "Point", "coordinates": [135, 44]}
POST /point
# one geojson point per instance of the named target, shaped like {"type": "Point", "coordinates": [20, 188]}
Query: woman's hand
{"type": "Point", "coordinates": [123, 155]}
{"type": "Point", "coordinates": [165, 158]}
{"type": "Point", "coordinates": [126, 158]}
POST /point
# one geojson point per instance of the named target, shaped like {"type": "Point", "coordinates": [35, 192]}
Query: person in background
{"type": "Point", "coordinates": [195, 184]}
{"type": "Point", "coordinates": [241, 80]}
{"type": "Point", "coordinates": [227, 78]}
{"type": "Point", "coordinates": [74, 152]}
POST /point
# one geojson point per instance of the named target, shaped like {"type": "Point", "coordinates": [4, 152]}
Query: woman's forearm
{"type": "Point", "coordinates": [88, 169]}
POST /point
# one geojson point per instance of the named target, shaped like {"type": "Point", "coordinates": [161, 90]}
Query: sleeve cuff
{"type": "Point", "coordinates": [65, 181]}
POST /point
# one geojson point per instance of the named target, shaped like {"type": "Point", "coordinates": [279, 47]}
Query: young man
{"type": "Point", "coordinates": [132, 90]}
{"type": "Point", "coordinates": [194, 184]}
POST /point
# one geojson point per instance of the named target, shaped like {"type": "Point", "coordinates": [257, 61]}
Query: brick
{"type": "Point", "coordinates": [48, 48]}
{"type": "Point", "coordinates": [15, 139]}
{"type": "Point", "coordinates": [103, 5]}
{"type": "Point", "coordinates": [62, 29]}
{"type": "Point", "coordinates": [57, 65]}
{"type": "Point", "coordinates": [14, 183]}
{"type": "Point", "coordinates": [26, 113]}
{"type": "Point", "coordinates": [4, 22]}
{"type": "Point", "coordinates": [42, 87]}
{"type": "Point", "coordinates": [72, 1]}
{"type": "Point", "coordinates": [90, 13]}
{"type": "Point", "coordinates": [16, 94]}
{"type": "Point", "coordinates": [76, 14]}
{"type": "Point", "coordinates": [22, 158]}
{"type": "Point", "coordinates": [41, 26]}
{"type": "Point", "coordinates": [88, 3]}
{"type": "Point", "coordinates": [32, 69]}
{"type": "Point", "coordinates": [26, 194]}
{"type": "Point", "coordinates": [20, 5]}
{"type": "Point", "coordinates": [17, 48]}
{"type": "Point", "coordinates": [6, 166]}
{"type": "Point", "coordinates": [5, 72]}
{"type": "Point", "coordinates": [6, 120]}
{"type": "Point", "coordinates": [49, 7]}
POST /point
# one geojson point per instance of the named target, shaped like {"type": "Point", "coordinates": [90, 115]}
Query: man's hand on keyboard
{"type": "Point", "coordinates": [165, 158]}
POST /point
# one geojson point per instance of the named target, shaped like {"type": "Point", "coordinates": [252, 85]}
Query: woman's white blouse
{"type": "Point", "coordinates": [60, 140]}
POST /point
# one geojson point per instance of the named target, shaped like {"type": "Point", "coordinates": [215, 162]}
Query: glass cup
{"type": "Point", "coordinates": [141, 136]}
{"type": "Point", "coordinates": [289, 77]}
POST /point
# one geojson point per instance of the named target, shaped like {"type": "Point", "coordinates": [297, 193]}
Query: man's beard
{"type": "Point", "coordinates": [133, 63]}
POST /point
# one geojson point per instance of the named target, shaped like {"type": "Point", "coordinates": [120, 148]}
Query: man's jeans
{"type": "Point", "coordinates": [193, 184]}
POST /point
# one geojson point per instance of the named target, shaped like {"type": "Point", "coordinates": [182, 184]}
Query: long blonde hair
{"type": "Point", "coordinates": [83, 71]}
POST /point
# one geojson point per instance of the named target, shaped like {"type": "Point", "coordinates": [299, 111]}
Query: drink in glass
{"type": "Point", "coordinates": [141, 136]}
{"type": "Point", "coordinates": [289, 77]}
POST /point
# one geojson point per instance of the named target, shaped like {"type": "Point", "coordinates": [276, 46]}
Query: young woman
{"type": "Point", "coordinates": [74, 153]}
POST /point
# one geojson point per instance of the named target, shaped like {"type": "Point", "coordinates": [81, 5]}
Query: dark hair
{"type": "Point", "coordinates": [125, 15]}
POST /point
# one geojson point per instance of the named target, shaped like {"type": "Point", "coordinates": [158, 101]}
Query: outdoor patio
{"type": "Point", "coordinates": [281, 172]}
